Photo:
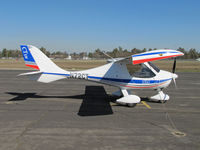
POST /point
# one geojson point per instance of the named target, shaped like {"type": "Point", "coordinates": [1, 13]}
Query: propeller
{"type": "Point", "coordinates": [174, 66]}
{"type": "Point", "coordinates": [174, 76]}
{"type": "Point", "coordinates": [174, 79]}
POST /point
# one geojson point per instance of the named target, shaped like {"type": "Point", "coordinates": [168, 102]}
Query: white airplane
{"type": "Point", "coordinates": [114, 73]}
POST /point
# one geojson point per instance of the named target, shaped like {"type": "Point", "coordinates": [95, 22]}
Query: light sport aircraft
{"type": "Point", "coordinates": [114, 73]}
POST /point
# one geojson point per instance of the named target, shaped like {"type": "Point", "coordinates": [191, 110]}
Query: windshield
{"type": "Point", "coordinates": [154, 67]}
{"type": "Point", "coordinates": [140, 71]}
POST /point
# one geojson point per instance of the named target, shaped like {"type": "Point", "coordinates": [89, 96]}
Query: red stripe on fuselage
{"type": "Point", "coordinates": [33, 66]}
{"type": "Point", "coordinates": [152, 59]}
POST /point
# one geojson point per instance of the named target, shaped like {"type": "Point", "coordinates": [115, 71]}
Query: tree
{"type": "Point", "coordinates": [135, 51]}
{"type": "Point", "coordinates": [45, 51]}
{"type": "Point", "coordinates": [115, 52]}
{"type": "Point", "coordinates": [82, 54]}
{"type": "Point", "coordinates": [65, 55]}
{"type": "Point", "coordinates": [98, 54]}
{"type": "Point", "coordinates": [183, 51]}
{"type": "Point", "coordinates": [90, 55]}
{"type": "Point", "coordinates": [75, 55]}
{"type": "Point", "coordinates": [144, 50]}
{"type": "Point", "coordinates": [4, 53]}
{"type": "Point", "coordinates": [193, 53]}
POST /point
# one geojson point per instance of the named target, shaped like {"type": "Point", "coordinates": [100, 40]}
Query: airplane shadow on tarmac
{"type": "Point", "coordinates": [95, 100]}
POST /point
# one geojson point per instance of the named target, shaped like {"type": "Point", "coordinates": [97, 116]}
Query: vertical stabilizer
{"type": "Point", "coordinates": [34, 58]}
{"type": "Point", "coordinates": [48, 70]}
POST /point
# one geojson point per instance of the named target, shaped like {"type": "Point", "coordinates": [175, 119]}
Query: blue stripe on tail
{"type": "Point", "coordinates": [27, 54]}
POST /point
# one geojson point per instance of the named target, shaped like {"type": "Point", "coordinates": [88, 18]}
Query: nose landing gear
{"type": "Point", "coordinates": [160, 97]}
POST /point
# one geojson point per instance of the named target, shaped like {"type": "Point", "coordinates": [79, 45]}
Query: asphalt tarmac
{"type": "Point", "coordinates": [76, 114]}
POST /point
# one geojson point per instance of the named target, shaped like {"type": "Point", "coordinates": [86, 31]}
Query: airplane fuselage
{"type": "Point", "coordinates": [117, 75]}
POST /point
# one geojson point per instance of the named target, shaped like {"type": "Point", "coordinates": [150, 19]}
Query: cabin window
{"type": "Point", "coordinates": [140, 71]}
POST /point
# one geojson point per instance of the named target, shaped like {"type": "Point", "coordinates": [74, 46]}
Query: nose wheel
{"type": "Point", "coordinates": [160, 97]}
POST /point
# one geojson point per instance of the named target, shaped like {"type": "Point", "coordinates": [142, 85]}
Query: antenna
{"type": "Point", "coordinates": [108, 56]}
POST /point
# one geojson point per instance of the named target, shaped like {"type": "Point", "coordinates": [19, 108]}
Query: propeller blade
{"type": "Point", "coordinates": [174, 79]}
{"type": "Point", "coordinates": [174, 76]}
{"type": "Point", "coordinates": [174, 66]}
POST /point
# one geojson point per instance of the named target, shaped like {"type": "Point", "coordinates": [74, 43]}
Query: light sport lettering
{"type": "Point", "coordinates": [25, 52]}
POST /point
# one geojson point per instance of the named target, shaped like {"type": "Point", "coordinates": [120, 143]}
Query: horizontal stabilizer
{"type": "Point", "coordinates": [42, 77]}
{"type": "Point", "coordinates": [30, 73]}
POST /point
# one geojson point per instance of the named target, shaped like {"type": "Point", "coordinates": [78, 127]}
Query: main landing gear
{"type": "Point", "coordinates": [132, 100]}
{"type": "Point", "coordinates": [127, 99]}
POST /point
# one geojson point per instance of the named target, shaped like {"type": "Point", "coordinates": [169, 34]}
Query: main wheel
{"type": "Point", "coordinates": [131, 104]}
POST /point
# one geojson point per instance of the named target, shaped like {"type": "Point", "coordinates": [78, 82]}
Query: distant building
{"type": "Point", "coordinates": [69, 57]}
{"type": "Point", "coordinates": [85, 58]}
{"type": "Point", "coordinates": [198, 59]}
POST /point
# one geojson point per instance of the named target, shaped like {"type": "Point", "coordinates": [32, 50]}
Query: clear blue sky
{"type": "Point", "coordinates": [84, 25]}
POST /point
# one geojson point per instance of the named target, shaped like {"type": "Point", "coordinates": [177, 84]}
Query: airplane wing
{"type": "Point", "coordinates": [149, 56]}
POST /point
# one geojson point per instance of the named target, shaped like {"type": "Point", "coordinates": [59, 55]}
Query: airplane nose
{"type": "Point", "coordinates": [174, 76]}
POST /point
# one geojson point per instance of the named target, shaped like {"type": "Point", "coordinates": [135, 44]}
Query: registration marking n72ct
{"type": "Point", "coordinates": [78, 75]}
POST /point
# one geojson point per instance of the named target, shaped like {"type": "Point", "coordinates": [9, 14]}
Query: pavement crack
{"type": "Point", "coordinates": [28, 127]}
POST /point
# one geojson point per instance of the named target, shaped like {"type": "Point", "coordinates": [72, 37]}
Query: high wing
{"type": "Point", "coordinates": [149, 56]}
